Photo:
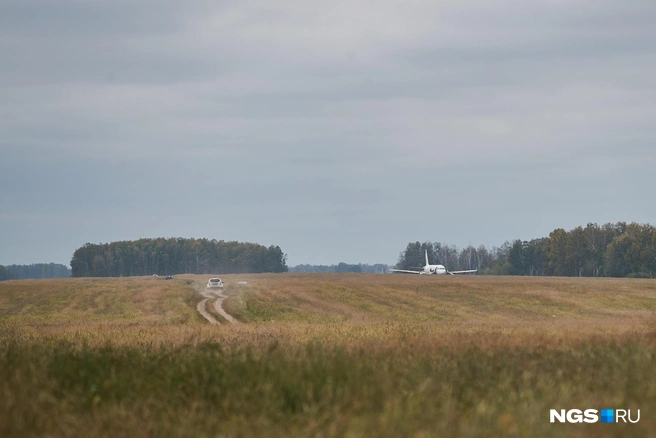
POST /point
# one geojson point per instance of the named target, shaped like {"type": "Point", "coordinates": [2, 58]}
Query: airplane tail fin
{"type": "Point", "coordinates": [427, 258]}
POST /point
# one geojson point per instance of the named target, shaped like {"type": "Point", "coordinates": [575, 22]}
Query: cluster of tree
{"type": "Point", "coordinates": [37, 270]}
{"type": "Point", "coordinates": [175, 256]}
{"type": "Point", "coordinates": [378, 268]}
{"type": "Point", "coordinates": [6, 274]}
{"type": "Point", "coordinates": [611, 250]}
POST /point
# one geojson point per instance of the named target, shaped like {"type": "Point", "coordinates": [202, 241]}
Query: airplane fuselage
{"type": "Point", "coordinates": [434, 269]}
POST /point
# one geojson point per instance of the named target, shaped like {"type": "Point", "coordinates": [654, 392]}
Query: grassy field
{"type": "Point", "coordinates": [326, 355]}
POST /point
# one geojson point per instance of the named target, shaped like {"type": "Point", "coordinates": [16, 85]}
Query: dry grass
{"type": "Point", "coordinates": [325, 355]}
{"type": "Point", "coordinates": [335, 307]}
{"type": "Point", "coordinates": [461, 304]}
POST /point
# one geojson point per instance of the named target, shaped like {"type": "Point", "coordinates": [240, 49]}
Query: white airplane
{"type": "Point", "coordinates": [433, 269]}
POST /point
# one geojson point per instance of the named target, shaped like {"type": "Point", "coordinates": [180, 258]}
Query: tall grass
{"type": "Point", "coordinates": [339, 355]}
{"type": "Point", "coordinates": [322, 389]}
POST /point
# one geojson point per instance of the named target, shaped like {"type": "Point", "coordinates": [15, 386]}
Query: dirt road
{"type": "Point", "coordinates": [218, 305]}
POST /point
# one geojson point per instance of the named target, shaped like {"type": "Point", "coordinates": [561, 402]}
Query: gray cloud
{"type": "Point", "coordinates": [339, 132]}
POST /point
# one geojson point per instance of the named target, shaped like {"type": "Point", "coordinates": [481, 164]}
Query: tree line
{"type": "Point", "coordinates": [610, 250]}
{"type": "Point", "coordinates": [35, 270]}
{"type": "Point", "coordinates": [175, 256]}
{"type": "Point", "coordinates": [5, 274]}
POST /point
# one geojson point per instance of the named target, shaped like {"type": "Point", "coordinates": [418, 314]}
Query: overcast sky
{"type": "Point", "coordinates": [340, 131]}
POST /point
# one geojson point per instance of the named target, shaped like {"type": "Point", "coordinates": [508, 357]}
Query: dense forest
{"type": "Point", "coordinates": [175, 256]}
{"type": "Point", "coordinates": [342, 267]}
{"type": "Point", "coordinates": [6, 274]}
{"type": "Point", "coordinates": [610, 250]}
{"type": "Point", "coordinates": [37, 270]}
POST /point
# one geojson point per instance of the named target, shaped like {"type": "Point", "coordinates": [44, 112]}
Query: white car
{"type": "Point", "coordinates": [214, 283]}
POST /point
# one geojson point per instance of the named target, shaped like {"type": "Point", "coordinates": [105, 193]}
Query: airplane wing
{"type": "Point", "coordinates": [463, 272]}
{"type": "Point", "coordinates": [404, 271]}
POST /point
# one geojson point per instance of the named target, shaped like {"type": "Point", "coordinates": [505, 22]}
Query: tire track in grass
{"type": "Point", "coordinates": [203, 311]}
{"type": "Point", "coordinates": [218, 306]}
